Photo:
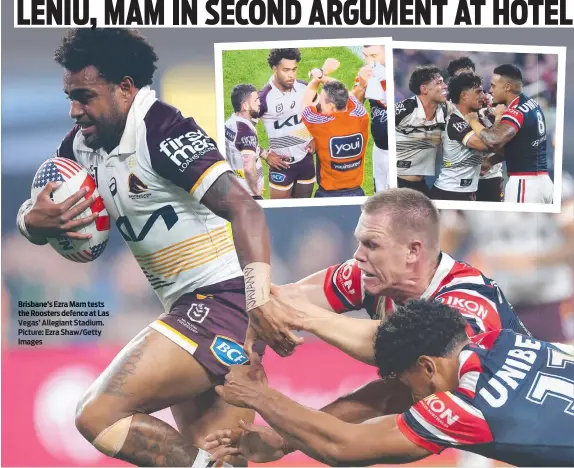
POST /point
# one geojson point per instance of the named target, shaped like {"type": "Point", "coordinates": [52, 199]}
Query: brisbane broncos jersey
{"type": "Point", "coordinates": [152, 184]}
{"type": "Point", "coordinates": [477, 298]}
{"type": "Point", "coordinates": [514, 403]}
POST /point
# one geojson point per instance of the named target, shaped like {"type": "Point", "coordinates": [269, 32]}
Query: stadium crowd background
{"type": "Point", "coordinates": [539, 72]}
{"type": "Point", "coordinates": [47, 380]}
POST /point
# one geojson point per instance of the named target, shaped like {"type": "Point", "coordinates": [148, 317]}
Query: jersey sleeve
{"type": "Point", "coordinates": [458, 129]}
{"type": "Point", "coordinates": [312, 118]}
{"type": "Point", "coordinates": [246, 139]}
{"type": "Point", "coordinates": [343, 287]}
{"type": "Point", "coordinates": [477, 304]}
{"type": "Point", "coordinates": [188, 157]}
{"type": "Point", "coordinates": [444, 420]}
{"type": "Point", "coordinates": [66, 148]}
{"type": "Point", "coordinates": [513, 117]}
{"type": "Point", "coordinates": [404, 109]}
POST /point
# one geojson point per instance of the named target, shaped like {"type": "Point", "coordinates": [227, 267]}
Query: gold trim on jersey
{"type": "Point", "coordinates": [187, 254]}
{"type": "Point", "coordinates": [205, 174]}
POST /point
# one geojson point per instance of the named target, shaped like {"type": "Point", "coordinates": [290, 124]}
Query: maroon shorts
{"type": "Point", "coordinates": [210, 324]}
{"type": "Point", "coordinates": [439, 194]}
{"type": "Point", "coordinates": [544, 321]}
{"type": "Point", "coordinates": [302, 172]}
{"type": "Point", "coordinates": [490, 190]}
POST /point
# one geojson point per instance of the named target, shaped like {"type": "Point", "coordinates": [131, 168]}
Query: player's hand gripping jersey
{"type": "Point", "coordinates": [514, 403]}
{"type": "Point", "coordinates": [456, 284]}
{"type": "Point", "coordinates": [461, 165]}
{"type": "Point", "coordinates": [152, 185]}
{"type": "Point", "coordinates": [341, 143]}
{"type": "Point", "coordinates": [241, 137]}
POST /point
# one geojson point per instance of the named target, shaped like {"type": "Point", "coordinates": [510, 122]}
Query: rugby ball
{"type": "Point", "coordinates": [74, 177]}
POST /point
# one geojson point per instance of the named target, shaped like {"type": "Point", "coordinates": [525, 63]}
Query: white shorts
{"type": "Point", "coordinates": [380, 168]}
{"type": "Point", "coordinates": [529, 189]}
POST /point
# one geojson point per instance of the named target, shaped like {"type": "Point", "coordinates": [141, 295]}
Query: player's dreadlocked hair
{"type": "Point", "coordinates": [423, 75]}
{"type": "Point", "coordinates": [276, 55]}
{"type": "Point", "coordinates": [462, 82]}
{"type": "Point", "coordinates": [460, 64]}
{"type": "Point", "coordinates": [419, 328]}
{"type": "Point", "coordinates": [115, 52]}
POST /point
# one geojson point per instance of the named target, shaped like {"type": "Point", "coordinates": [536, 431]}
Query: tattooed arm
{"type": "Point", "coordinates": [227, 199]}
{"type": "Point", "coordinates": [494, 137]}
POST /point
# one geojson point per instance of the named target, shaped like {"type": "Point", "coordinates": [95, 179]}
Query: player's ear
{"type": "Point", "coordinates": [414, 251]}
{"type": "Point", "coordinates": [127, 86]}
{"type": "Point", "coordinates": [427, 366]}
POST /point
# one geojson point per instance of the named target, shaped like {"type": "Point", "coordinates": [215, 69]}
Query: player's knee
{"type": "Point", "coordinates": [93, 415]}
{"type": "Point", "coordinates": [105, 428]}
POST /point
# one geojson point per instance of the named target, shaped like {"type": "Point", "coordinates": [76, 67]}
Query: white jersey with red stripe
{"type": "Point", "coordinates": [152, 185]}
{"type": "Point", "coordinates": [478, 298]}
{"type": "Point", "coordinates": [514, 403]}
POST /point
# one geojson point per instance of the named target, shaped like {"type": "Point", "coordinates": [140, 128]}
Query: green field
{"type": "Point", "coordinates": [250, 66]}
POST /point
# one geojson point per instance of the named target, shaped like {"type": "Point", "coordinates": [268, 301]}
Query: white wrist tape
{"type": "Point", "coordinates": [202, 460]}
{"type": "Point", "coordinates": [257, 284]}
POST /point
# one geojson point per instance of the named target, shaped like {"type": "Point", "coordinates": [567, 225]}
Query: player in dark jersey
{"type": "Point", "coordinates": [500, 394]}
{"type": "Point", "coordinates": [123, 131]}
{"type": "Point", "coordinates": [491, 181]}
{"type": "Point", "coordinates": [521, 130]}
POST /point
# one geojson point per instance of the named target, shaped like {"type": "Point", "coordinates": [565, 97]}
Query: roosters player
{"type": "Point", "coordinates": [500, 394]}
{"type": "Point", "coordinates": [522, 132]}
{"type": "Point", "coordinates": [371, 85]}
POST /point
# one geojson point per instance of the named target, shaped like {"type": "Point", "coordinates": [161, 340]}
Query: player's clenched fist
{"type": "Point", "coordinates": [243, 383]}
{"type": "Point", "coordinates": [47, 219]}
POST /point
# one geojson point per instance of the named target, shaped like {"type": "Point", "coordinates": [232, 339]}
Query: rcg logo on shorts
{"type": "Point", "coordinates": [197, 312]}
{"type": "Point", "coordinates": [348, 146]}
{"type": "Point", "coordinates": [277, 177]}
{"type": "Point", "coordinates": [227, 351]}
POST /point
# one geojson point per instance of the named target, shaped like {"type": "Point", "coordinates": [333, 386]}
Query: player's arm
{"type": "Point", "coordinates": [361, 82]}
{"type": "Point", "coordinates": [332, 441]}
{"type": "Point", "coordinates": [459, 130]}
{"type": "Point", "coordinates": [342, 289]}
{"type": "Point", "coordinates": [246, 141]}
{"type": "Point", "coordinates": [41, 219]}
{"type": "Point", "coordinates": [501, 132]}
{"type": "Point", "coordinates": [208, 178]}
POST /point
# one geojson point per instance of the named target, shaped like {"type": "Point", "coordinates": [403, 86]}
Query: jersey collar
{"type": "Point", "coordinates": [514, 102]}
{"type": "Point", "coordinates": [144, 99]}
{"type": "Point", "coordinates": [444, 267]}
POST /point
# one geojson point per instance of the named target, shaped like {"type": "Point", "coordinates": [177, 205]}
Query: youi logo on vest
{"type": "Point", "coordinates": [185, 149]}
{"type": "Point", "coordinates": [347, 146]}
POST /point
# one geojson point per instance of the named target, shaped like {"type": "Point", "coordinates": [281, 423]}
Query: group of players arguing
{"type": "Point", "coordinates": [458, 369]}
{"type": "Point", "coordinates": [477, 132]}
{"type": "Point", "coordinates": [302, 122]}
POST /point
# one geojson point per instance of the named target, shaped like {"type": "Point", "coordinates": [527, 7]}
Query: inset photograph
{"type": "Point", "coordinates": [305, 122]}
{"type": "Point", "coordinates": [480, 123]}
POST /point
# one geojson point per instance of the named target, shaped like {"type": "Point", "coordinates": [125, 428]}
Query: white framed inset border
{"type": "Point", "coordinates": [219, 48]}
{"type": "Point", "coordinates": [555, 207]}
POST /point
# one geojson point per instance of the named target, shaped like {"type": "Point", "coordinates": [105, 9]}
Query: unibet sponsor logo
{"type": "Point", "coordinates": [227, 351]}
{"type": "Point", "coordinates": [187, 148]}
{"type": "Point", "coordinates": [348, 146]}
